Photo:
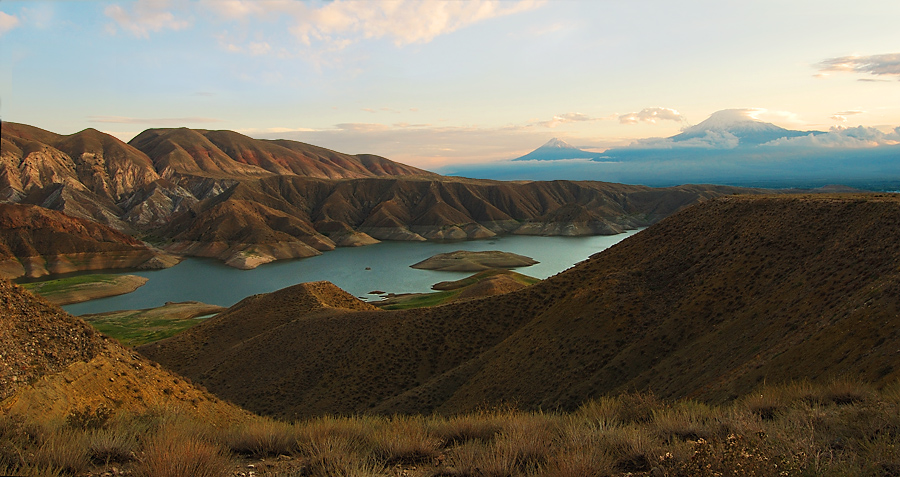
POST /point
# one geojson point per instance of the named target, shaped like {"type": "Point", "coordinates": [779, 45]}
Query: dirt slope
{"type": "Point", "coordinates": [52, 364]}
{"type": "Point", "coordinates": [709, 303]}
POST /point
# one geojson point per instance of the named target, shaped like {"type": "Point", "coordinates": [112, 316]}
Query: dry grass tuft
{"type": "Point", "coordinates": [262, 438]}
{"type": "Point", "coordinates": [107, 446]}
{"type": "Point", "coordinates": [63, 449]}
{"type": "Point", "coordinates": [404, 440]}
{"type": "Point", "coordinates": [464, 428]}
{"type": "Point", "coordinates": [171, 453]}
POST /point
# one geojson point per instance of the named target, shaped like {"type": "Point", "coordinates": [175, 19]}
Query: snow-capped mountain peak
{"type": "Point", "coordinates": [556, 149]}
{"type": "Point", "coordinates": [739, 123]}
{"type": "Point", "coordinates": [557, 143]}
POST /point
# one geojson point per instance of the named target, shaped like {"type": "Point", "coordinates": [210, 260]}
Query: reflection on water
{"type": "Point", "coordinates": [359, 270]}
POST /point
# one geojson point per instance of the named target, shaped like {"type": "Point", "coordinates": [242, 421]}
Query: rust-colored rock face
{"type": "Point", "coordinates": [35, 241]}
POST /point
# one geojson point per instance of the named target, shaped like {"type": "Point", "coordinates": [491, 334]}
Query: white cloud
{"type": "Point", "coordinates": [340, 23]}
{"type": "Point", "coordinates": [713, 139]}
{"type": "Point", "coordinates": [879, 65]}
{"type": "Point", "coordinates": [259, 48]}
{"type": "Point", "coordinates": [144, 17]}
{"type": "Point", "coordinates": [651, 115]}
{"type": "Point", "coordinates": [842, 115]}
{"type": "Point", "coordinates": [840, 137]}
{"type": "Point", "coordinates": [565, 118]}
{"type": "Point", "coordinates": [7, 22]}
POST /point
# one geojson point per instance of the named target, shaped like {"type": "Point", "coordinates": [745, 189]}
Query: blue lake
{"type": "Point", "coordinates": [359, 270]}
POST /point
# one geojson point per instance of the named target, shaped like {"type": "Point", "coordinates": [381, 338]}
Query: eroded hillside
{"type": "Point", "coordinates": [708, 303]}
{"type": "Point", "coordinates": [35, 241]}
{"type": "Point", "coordinates": [248, 202]}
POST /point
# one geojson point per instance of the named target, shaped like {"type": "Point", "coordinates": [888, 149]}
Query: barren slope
{"type": "Point", "coordinates": [708, 303]}
{"type": "Point", "coordinates": [52, 364]}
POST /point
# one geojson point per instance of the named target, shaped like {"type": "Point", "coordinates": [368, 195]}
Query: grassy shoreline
{"type": "Point", "coordinates": [80, 288]}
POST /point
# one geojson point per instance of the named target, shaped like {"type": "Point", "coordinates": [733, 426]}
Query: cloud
{"type": "Point", "coordinates": [712, 139]}
{"type": "Point", "coordinates": [154, 121]}
{"type": "Point", "coordinates": [879, 65]}
{"type": "Point", "coordinates": [651, 115]}
{"type": "Point", "coordinates": [842, 115]}
{"type": "Point", "coordinates": [422, 145]}
{"type": "Point", "coordinates": [337, 24]}
{"type": "Point", "coordinates": [7, 22]}
{"type": "Point", "coordinates": [145, 16]}
{"type": "Point", "coordinates": [565, 118]}
{"type": "Point", "coordinates": [840, 137]}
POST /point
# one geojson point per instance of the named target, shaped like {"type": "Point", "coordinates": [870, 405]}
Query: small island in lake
{"type": "Point", "coordinates": [466, 261]}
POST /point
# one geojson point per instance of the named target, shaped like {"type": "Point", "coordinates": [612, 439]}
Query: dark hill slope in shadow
{"type": "Point", "coordinates": [708, 303]}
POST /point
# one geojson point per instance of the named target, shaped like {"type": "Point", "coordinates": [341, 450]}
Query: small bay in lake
{"type": "Point", "coordinates": [384, 266]}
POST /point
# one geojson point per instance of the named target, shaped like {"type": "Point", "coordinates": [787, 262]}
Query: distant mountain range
{"type": "Point", "coordinates": [730, 147]}
{"type": "Point", "coordinates": [556, 149]}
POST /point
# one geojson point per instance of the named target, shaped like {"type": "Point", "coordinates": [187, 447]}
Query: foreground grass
{"type": "Point", "coordinates": [842, 429]}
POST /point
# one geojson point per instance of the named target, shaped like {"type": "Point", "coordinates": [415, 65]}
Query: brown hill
{"type": "Point", "coordinates": [90, 160]}
{"type": "Point", "coordinates": [229, 154]}
{"type": "Point", "coordinates": [53, 364]}
{"type": "Point", "coordinates": [35, 241]}
{"type": "Point", "coordinates": [709, 303]}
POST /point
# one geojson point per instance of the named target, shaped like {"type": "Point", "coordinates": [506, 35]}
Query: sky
{"type": "Point", "coordinates": [434, 83]}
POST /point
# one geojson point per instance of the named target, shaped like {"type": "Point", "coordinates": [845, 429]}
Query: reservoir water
{"type": "Point", "coordinates": [359, 270]}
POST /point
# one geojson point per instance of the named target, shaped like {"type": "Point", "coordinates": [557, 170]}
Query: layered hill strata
{"type": "Point", "coordinates": [709, 304]}
{"type": "Point", "coordinates": [35, 242]}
